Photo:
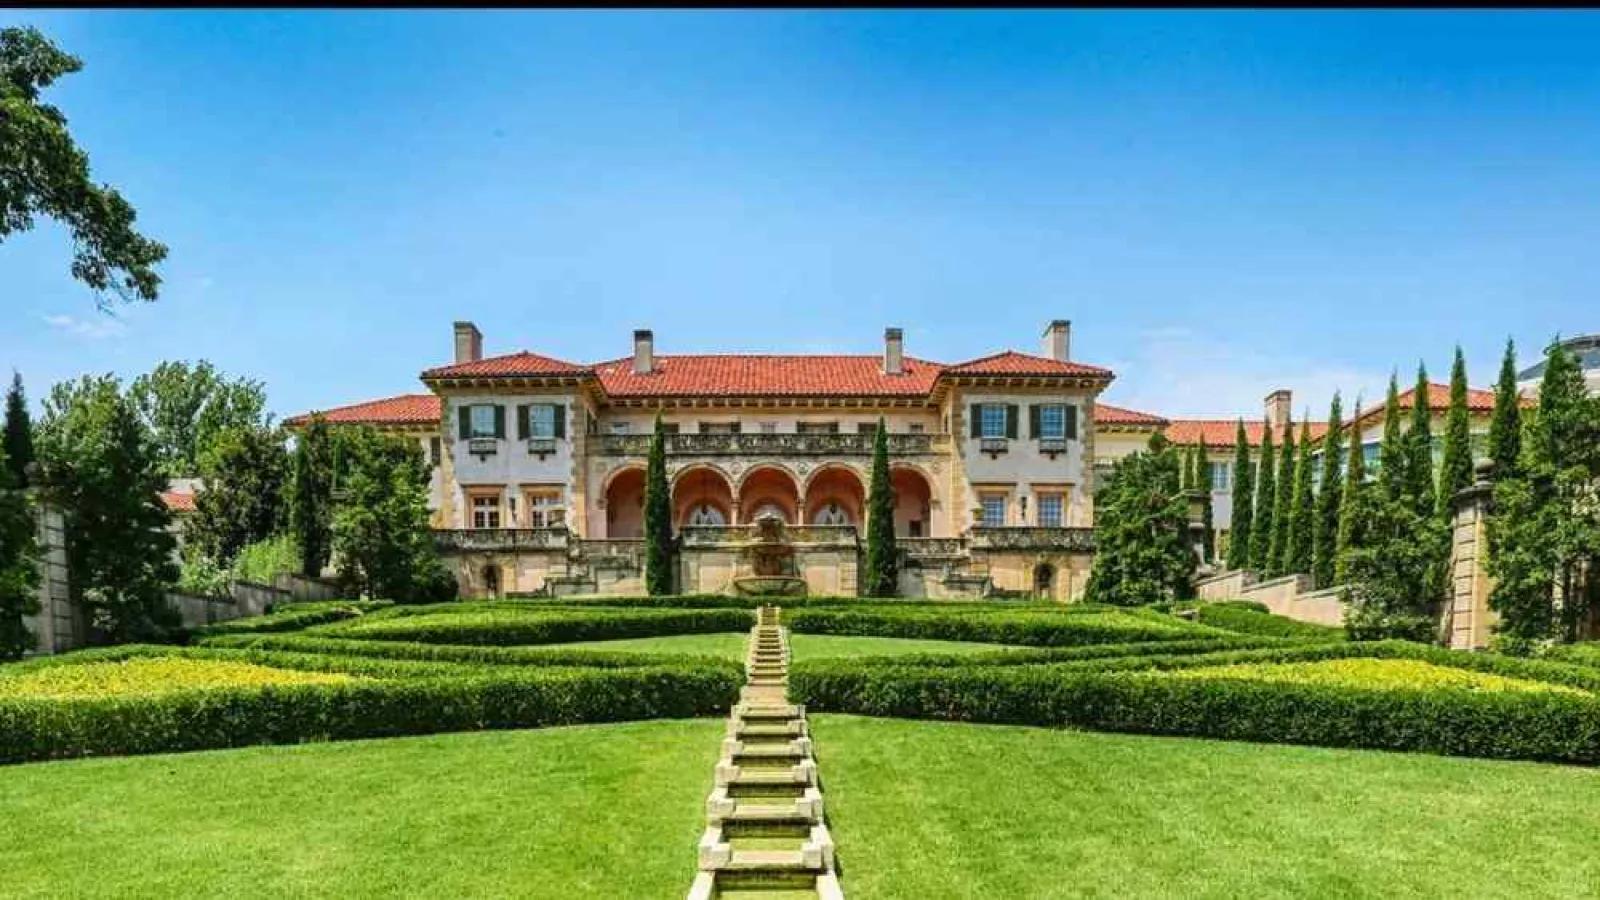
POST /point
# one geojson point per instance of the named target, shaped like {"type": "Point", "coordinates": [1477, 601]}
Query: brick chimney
{"type": "Point", "coordinates": [469, 343]}
{"type": "Point", "coordinates": [893, 352]}
{"type": "Point", "coordinates": [1058, 340]}
{"type": "Point", "coordinates": [644, 351]}
{"type": "Point", "coordinates": [1278, 404]}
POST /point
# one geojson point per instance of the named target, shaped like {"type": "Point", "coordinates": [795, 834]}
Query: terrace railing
{"type": "Point", "coordinates": [1075, 540]}
{"type": "Point", "coordinates": [762, 444]}
{"type": "Point", "coordinates": [499, 540]}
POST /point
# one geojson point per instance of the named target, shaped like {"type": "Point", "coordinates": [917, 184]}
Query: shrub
{"type": "Point", "coordinates": [1027, 627]}
{"type": "Point", "coordinates": [1247, 619]}
{"type": "Point", "coordinates": [482, 655]}
{"type": "Point", "coordinates": [1028, 657]}
{"type": "Point", "coordinates": [150, 675]}
{"type": "Point", "coordinates": [511, 625]}
{"type": "Point", "coordinates": [293, 617]}
{"type": "Point", "coordinates": [259, 561]}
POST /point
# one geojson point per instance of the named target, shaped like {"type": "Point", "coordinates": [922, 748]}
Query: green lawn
{"type": "Point", "coordinates": [938, 809]}
{"type": "Point", "coordinates": [804, 646]}
{"type": "Point", "coordinates": [588, 811]}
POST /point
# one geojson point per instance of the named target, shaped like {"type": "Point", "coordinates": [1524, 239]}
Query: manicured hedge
{"type": "Point", "coordinates": [722, 601]}
{"type": "Point", "coordinates": [1585, 653]}
{"type": "Point", "coordinates": [484, 655]}
{"type": "Point", "coordinates": [513, 625]}
{"type": "Point", "coordinates": [294, 618]}
{"type": "Point", "coordinates": [497, 697]}
{"type": "Point", "coordinates": [1045, 628]}
{"type": "Point", "coordinates": [1553, 726]}
{"type": "Point", "coordinates": [1037, 656]}
{"type": "Point", "coordinates": [1247, 620]}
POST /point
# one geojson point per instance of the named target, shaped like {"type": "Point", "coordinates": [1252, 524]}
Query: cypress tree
{"type": "Point", "coordinates": [657, 516]}
{"type": "Point", "coordinates": [1355, 477]}
{"type": "Point", "coordinates": [19, 572]}
{"type": "Point", "coordinates": [1244, 481]}
{"type": "Point", "coordinates": [1302, 508]}
{"type": "Point", "coordinates": [883, 562]}
{"type": "Point", "coordinates": [1393, 458]}
{"type": "Point", "coordinates": [1505, 429]}
{"type": "Point", "coordinates": [18, 443]}
{"type": "Point", "coordinates": [1325, 530]}
{"type": "Point", "coordinates": [311, 512]}
{"type": "Point", "coordinates": [1419, 446]}
{"type": "Point", "coordinates": [1455, 467]}
{"type": "Point", "coordinates": [1202, 481]}
{"type": "Point", "coordinates": [1282, 503]}
{"type": "Point", "coordinates": [1261, 529]}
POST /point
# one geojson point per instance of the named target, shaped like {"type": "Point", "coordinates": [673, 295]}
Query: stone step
{"type": "Point", "coordinates": [793, 728]}
{"type": "Point", "coordinates": [766, 712]}
{"type": "Point", "coordinates": [730, 773]}
{"type": "Point", "coordinates": [740, 750]}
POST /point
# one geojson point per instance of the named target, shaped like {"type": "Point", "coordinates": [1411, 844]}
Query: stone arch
{"type": "Point", "coordinates": [702, 492]}
{"type": "Point", "coordinates": [835, 494]}
{"type": "Point", "coordinates": [913, 501]}
{"type": "Point", "coordinates": [768, 486]}
{"type": "Point", "coordinates": [623, 491]}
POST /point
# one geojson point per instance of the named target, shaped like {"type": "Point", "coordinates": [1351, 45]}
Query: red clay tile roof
{"type": "Point", "coordinates": [736, 375]}
{"type": "Point", "coordinates": [1221, 432]}
{"type": "Point", "coordinates": [525, 365]}
{"type": "Point", "coordinates": [178, 502]}
{"type": "Point", "coordinates": [1013, 363]}
{"type": "Point", "coordinates": [1116, 415]}
{"type": "Point", "coordinates": [406, 409]}
{"type": "Point", "coordinates": [1478, 401]}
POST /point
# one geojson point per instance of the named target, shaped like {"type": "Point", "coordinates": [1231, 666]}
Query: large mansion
{"type": "Point", "coordinates": [539, 463]}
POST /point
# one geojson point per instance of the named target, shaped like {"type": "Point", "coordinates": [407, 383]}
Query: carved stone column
{"type": "Point", "coordinates": [1467, 619]}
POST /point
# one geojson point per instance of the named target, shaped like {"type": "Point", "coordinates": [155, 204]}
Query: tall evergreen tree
{"type": "Point", "coordinates": [1419, 447]}
{"type": "Point", "coordinates": [1282, 503]}
{"type": "Point", "coordinates": [311, 510]}
{"type": "Point", "coordinates": [1505, 429]}
{"type": "Point", "coordinates": [19, 572]}
{"type": "Point", "coordinates": [1302, 508]}
{"type": "Point", "coordinates": [1262, 526]}
{"type": "Point", "coordinates": [1455, 466]}
{"type": "Point", "coordinates": [380, 522]}
{"type": "Point", "coordinates": [1244, 482]}
{"type": "Point", "coordinates": [1202, 481]}
{"type": "Point", "coordinates": [1325, 530]}
{"type": "Point", "coordinates": [883, 560]}
{"type": "Point", "coordinates": [246, 474]}
{"type": "Point", "coordinates": [1355, 483]}
{"type": "Point", "coordinates": [657, 516]}
{"type": "Point", "coordinates": [18, 443]}
{"type": "Point", "coordinates": [1142, 551]}
{"type": "Point", "coordinates": [1393, 458]}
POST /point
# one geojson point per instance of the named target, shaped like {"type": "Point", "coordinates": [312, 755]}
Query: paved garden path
{"type": "Point", "coordinates": [765, 836]}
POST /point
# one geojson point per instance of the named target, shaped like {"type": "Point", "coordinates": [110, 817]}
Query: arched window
{"type": "Point", "coordinates": [491, 580]}
{"type": "Point", "coordinates": [1044, 579]}
{"type": "Point", "coordinates": [706, 514]}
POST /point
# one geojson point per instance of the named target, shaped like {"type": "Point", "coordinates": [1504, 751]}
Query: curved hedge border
{"type": "Point", "coordinates": [510, 626]}
{"type": "Point", "coordinates": [1045, 655]}
{"type": "Point", "coordinates": [294, 618]}
{"type": "Point", "coordinates": [1039, 629]}
{"type": "Point", "coordinates": [1246, 620]}
{"type": "Point", "coordinates": [473, 699]}
{"type": "Point", "coordinates": [472, 654]}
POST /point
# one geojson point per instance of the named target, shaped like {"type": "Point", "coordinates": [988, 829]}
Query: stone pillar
{"type": "Point", "coordinates": [1467, 618]}
{"type": "Point", "coordinates": [55, 627]}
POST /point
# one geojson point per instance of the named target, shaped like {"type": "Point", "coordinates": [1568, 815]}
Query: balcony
{"type": "Point", "coordinates": [499, 540]}
{"type": "Point", "coordinates": [804, 535]}
{"type": "Point", "coordinates": [1064, 540]}
{"type": "Point", "coordinates": [762, 444]}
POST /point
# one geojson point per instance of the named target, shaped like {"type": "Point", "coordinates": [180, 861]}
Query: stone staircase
{"type": "Point", "coordinates": [765, 836]}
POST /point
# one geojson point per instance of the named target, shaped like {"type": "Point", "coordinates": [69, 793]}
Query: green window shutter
{"type": "Point", "coordinates": [976, 412]}
{"type": "Point", "coordinates": [522, 422]}
{"type": "Point", "coordinates": [1033, 421]}
{"type": "Point", "coordinates": [1072, 422]}
{"type": "Point", "coordinates": [560, 421]}
{"type": "Point", "coordinates": [499, 421]}
{"type": "Point", "coordinates": [466, 422]}
{"type": "Point", "coordinates": [1011, 420]}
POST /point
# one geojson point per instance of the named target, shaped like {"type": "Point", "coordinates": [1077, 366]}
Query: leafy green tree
{"type": "Point", "coordinates": [18, 441]}
{"type": "Point", "coordinates": [658, 544]}
{"type": "Point", "coordinates": [99, 465]}
{"type": "Point", "coordinates": [1351, 533]}
{"type": "Point", "coordinates": [380, 523]}
{"type": "Point", "coordinates": [1244, 481]}
{"type": "Point", "coordinates": [1505, 429]}
{"type": "Point", "coordinates": [883, 560]}
{"type": "Point", "coordinates": [19, 573]}
{"type": "Point", "coordinates": [187, 408]}
{"type": "Point", "coordinates": [1302, 508]}
{"type": "Point", "coordinates": [1325, 528]}
{"type": "Point", "coordinates": [1202, 483]}
{"type": "Point", "coordinates": [311, 492]}
{"type": "Point", "coordinates": [1544, 526]}
{"type": "Point", "coordinates": [1282, 504]}
{"type": "Point", "coordinates": [1455, 465]}
{"type": "Point", "coordinates": [1142, 552]}
{"type": "Point", "coordinates": [246, 474]}
{"type": "Point", "coordinates": [1262, 526]}
{"type": "Point", "coordinates": [44, 174]}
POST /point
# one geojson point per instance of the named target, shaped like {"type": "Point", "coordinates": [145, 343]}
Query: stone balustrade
{"type": "Point", "coordinates": [1034, 539]}
{"type": "Point", "coordinates": [499, 540]}
{"type": "Point", "coordinates": [763, 444]}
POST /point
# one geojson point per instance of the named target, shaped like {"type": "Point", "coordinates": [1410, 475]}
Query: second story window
{"type": "Point", "coordinates": [915, 428]}
{"type": "Point", "coordinates": [542, 420]}
{"type": "Point", "coordinates": [719, 427]}
{"type": "Point", "coordinates": [485, 511]}
{"type": "Point", "coordinates": [435, 451]}
{"type": "Point", "coordinates": [992, 421]}
{"type": "Point", "coordinates": [484, 421]}
{"type": "Point", "coordinates": [866, 428]}
{"type": "Point", "coordinates": [620, 428]}
{"type": "Point", "coordinates": [769, 427]}
{"type": "Point", "coordinates": [817, 427]}
{"type": "Point", "coordinates": [1050, 510]}
{"type": "Point", "coordinates": [1221, 476]}
{"type": "Point", "coordinates": [994, 510]}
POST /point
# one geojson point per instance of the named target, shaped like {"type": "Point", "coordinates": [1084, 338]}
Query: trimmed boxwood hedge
{"type": "Point", "coordinates": [481, 697]}
{"type": "Point", "coordinates": [514, 625]}
{"type": "Point", "coordinates": [484, 655]}
{"type": "Point", "coordinates": [1100, 694]}
{"type": "Point", "coordinates": [1036, 656]}
{"type": "Point", "coordinates": [1044, 628]}
{"type": "Point", "coordinates": [294, 617]}
{"type": "Point", "coordinates": [1247, 620]}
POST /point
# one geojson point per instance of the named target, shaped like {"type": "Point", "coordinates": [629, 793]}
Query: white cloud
{"type": "Point", "coordinates": [98, 328]}
{"type": "Point", "coordinates": [1178, 372]}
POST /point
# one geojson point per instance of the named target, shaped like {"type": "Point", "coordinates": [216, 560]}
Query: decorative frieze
{"type": "Point", "coordinates": [770, 445]}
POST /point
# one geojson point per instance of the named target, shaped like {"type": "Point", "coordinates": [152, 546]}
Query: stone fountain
{"type": "Point", "coordinates": [771, 559]}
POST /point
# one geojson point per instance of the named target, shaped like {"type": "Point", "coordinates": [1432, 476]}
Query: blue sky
{"type": "Point", "coordinates": [1222, 203]}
